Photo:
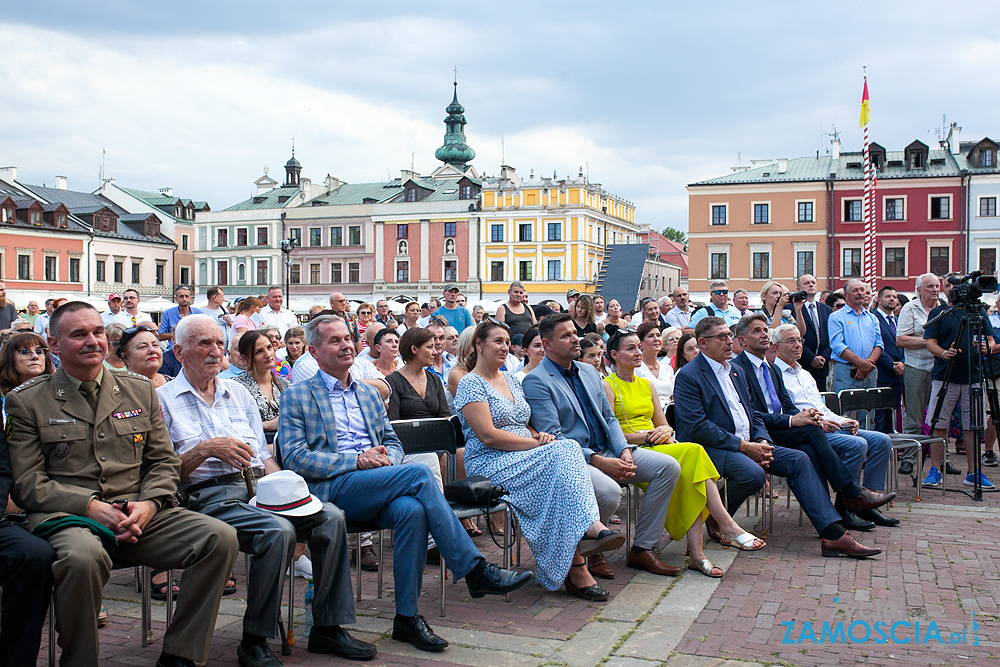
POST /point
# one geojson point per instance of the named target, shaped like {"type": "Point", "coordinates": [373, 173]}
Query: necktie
{"type": "Point", "coordinates": [89, 391]}
{"type": "Point", "coordinates": [892, 324]}
{"type": "Point", "coordinates": [775, 401]}
{"type": "Point", "coordinates": [815, 316]}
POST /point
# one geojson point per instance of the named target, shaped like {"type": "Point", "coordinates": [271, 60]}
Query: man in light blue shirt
{"type": "Point", "coordinates": [855, 341]}
{"type": "Point", "coordinates": [718, 304]}
{"type": "Point", "coordinates": [456, 315]}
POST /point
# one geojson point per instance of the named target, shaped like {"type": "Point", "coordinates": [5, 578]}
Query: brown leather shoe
{"type": "Point", "coordinates": [598, 566]}
{"type": "Point", "coordinates": [369, 561]}
{"type": "Point", "coordinates": [867, 500]}
{"type": "Point", "coordinates": [650, 562]}
{"type": "Point", "coordinates": [847, 546]}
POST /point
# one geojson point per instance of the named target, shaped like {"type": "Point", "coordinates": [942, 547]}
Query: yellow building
{"type": "Point", "coordinates": [547, 233]}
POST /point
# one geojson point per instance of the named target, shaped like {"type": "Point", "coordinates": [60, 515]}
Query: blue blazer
{"type": "Point", "coordinates": [307, 432]}
{"type": "Point", "coordinates": [890, 354]}
{"type": "Point", "coordinates": [702, 413]}
{"type": "Point", "coordinates": [777, 421]}
{"type": "Point", "coordinates": [555, 410]}
{"type": "Point", "coordinates": [816, 342]}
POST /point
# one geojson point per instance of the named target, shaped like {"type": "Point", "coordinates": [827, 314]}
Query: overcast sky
{"type": "Point", "coordinates": [201, 96]}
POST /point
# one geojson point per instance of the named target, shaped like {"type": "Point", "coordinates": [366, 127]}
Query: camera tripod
{"type": "Point", "coordinates": [973, 323]}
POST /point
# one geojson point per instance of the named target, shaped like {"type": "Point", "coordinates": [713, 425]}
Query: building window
{"type": "Point", "coordinates": [262, 236]}
{"type": "Point", "coordinates": [184, 241]}
{"type": "Point", "coordinates": [852, 210]}
{"type": "Point", "coordinates": [402, 231]}
{"type": "Point", "coordinates": [852, 262]}
{"type": "Point", "coordinates": [314, 278]}
{"type": "Point", "coordinates": [496, 272]}
{"type": "Point", "coordinates": [720, 266]}
{"type": "Point", "coordinates": [805, 211]}
{"type": "Point", "coordinates": [295, 274]}
{"type": "Point", "coordinates": [987, 207]}
{"type": "Point", "coordinates": [50, 268]}
{"type": "Point", "coordinates": [262, 276]}
{"type": "Point", "coordinates": [315, 237]}
{"type": "Point", "coordinates": [160, 272]}
{"type": "Point", "coordinates": [449, 229]}
{"type": "Point", "coordinates": [894, 209]}
{"type": "Point", "coordinates": [719, 214]}
{"type": "Point", "coordinates": [101, 272]}
{"type": "Point", "coordinates": [554, 269]}
{"type": "Point", "coordinates": [895, 262]}
{"type": "Point", "coordinates": [761, 265]}
{"type": "Point", "coordinates": [354, 234]}
{"type": "Point", "coordinates": [119, 272]}
{"type": "Point", "coordinates": [411, 194]}
{"type": "Point", "coordinates": [241, 237]}
{"type": "Point", "coordinates": [496, 233]}
{"type": "Point", "coordinates": [296, 234]}
{"type": "Point", "coordinates": [524, 270]}
{"type": "Point", "coordinates": [524, 232]}
{"type": "Point", "coordinates": [222, 238]}
{"type": "Point", "coordinates": [986, 157]}
{"type": "Point", "coordinates": [353, 272]}
{"type": "Point", "coordinates": [402, 272]}
{"type": "Point", "coordinates": [24, 267]}
{"type": "Point", "coordinates": [465, 192]}
{"type": "Point", "coordinates": [222, 271]}
{"type": "Point", "coordinates": [241, 273]}
{"type": "Point", "coordinates": [940, 260]}
{"type": "Point", "coordinates": [135, 272]}
{"type": "Point", "coordinates": [988, 260]}
{"type": "Point", "coordinates": [760, 214]}
{"type": "Point", "coordinates": [555, 231]}
{"type": "Point", "coordinates": [186, 275]}
{"type": "Point", "coordinates": [451, 271]}
{"type": "Point", "coordinates": [74, 269]}
{"type": "Point", "coordinates": [804, 262]}
{"type": "Point", "coordinates": [336, 236]}
{"type": "Point", "coordinates": [940, 208]}
{"type": "Point", "coordinates": [337, 273]}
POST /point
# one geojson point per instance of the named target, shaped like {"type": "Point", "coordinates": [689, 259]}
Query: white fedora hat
{"type": "Point", "coordinates": [285, 493]}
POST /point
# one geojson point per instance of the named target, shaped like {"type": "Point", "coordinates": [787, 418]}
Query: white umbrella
{"type": "Point", "coordinates": [156, 305]}
{"type": "Point", "coordinates": [302, 305]}
{"type": "Point", "coordinates": [489, 307]}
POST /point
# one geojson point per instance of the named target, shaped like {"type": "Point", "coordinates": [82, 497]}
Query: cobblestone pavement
{"type": "Point", "coordinates": [937, 569]}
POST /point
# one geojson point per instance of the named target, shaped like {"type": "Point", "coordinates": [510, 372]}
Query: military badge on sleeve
{"type": "Point", "coordinates": [9, 431]}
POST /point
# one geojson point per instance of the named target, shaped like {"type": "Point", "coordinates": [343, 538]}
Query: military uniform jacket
{"type": "Point", "coordinates": [63, 455]}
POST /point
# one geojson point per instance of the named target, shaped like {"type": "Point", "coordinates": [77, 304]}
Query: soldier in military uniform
{"type": "Point", "coordinates": [94, 467]}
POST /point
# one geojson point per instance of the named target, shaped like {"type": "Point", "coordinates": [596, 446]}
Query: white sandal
{"type": "Point", "coordinates": [705, 566]}
{"type": "Point", "coordinates": [744, 542]}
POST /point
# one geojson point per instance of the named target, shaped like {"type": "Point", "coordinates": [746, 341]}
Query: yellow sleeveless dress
{"type": "Point", "coordinates": [634, 410]}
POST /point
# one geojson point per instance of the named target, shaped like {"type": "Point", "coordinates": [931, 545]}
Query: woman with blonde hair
{"type": "Point", "coordinates": [614, 320]}
{"type": "Point", "coordinates": [773, 299]}
{"type": "Point", "coordinates": [245, 309]}
{"type": "Point", "coordinates": [584, 316]}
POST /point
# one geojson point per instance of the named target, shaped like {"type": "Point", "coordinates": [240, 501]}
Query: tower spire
{"type": "Point", "coordinates": [455, 151]}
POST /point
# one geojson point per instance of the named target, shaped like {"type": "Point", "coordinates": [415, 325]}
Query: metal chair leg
{"type": "Point", "coordinates": [290, 630]}
{"type": "Point", "coordinates": [147, 604]}
{"type": "Point", "coordinates": [170, 597]}
{"type": "Point", "coordinates": [443, 573]}
{"type": "Point", "coordinates": [52, 633]}
{"type": "Point", "coordinates": [509, 515]}
{"type": "Point", "coordinates": [381, 562]}
{"type": "Point", "coordinates": [628, 515]}
{"type": "Point", "coordinates": [357, 561]}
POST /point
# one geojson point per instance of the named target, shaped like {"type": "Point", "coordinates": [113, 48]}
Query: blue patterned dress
{"type": "Point", "coordinates": [548, 486]}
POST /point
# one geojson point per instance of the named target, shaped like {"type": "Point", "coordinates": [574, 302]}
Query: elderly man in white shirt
{"type": "Point", "coordinates": [273, 314]}
{"type": "Point", "coordinates": [858, 448]}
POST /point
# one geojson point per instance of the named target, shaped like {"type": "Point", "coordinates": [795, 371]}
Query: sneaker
{"type": "Point", "coordinates": [933, 479]}
{"type": "Point", "coordinates": [970, 480]}
{"type": "Point", "coordinates": [990, 459]}
{"type": "Point", "coordinates": [303, 567]}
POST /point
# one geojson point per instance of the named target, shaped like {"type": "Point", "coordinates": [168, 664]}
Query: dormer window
{"type": "Point", "coordinates": [986, 157]}
{"type": "Point", "coordinates": [465, 192]}
{"type": "Point", "coordinates": [152, 228]}
{"type": "Point", "coordinates": [411, 194]}
{"type": "Point", "coordinates": [178, 211]}
{"type": "Point", "coordinates": [916, 155]}
{"type": "Point", "coordinates": [916, 160]}
{"type": "Point", "coordinates": [61, 220]}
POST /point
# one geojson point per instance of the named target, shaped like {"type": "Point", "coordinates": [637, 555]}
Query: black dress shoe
{"type": "Point", "coordinates": [905, 468]}
{"type": "Point", "coordinates": [878, 518]}
{"type": "Point", "coordinates": [414, 630]}
{"type": "Point", "coordinates": [852, 521]}
{"type": "Point", "coordinates": [496, 581]}
{"type": "Point", "coordinates": [253, 654]}
{"type": "Point", "coordinates": [167, 660]}
{"type": "Point", "coordinates": [334, 639]}
{"type": "Point", "coordinates": [951, 470]}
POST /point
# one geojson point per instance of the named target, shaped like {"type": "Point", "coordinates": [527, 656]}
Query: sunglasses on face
{"type": "Point", "coordinates": [720, 292]}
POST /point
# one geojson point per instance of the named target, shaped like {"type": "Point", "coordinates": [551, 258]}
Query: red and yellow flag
{"type": "Point", "coordinates": [864, 105]}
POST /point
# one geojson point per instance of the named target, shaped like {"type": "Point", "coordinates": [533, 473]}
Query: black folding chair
{"type": "Point", "coordinates": [444, 435]}
{"type": "Point", "coordinates": [884, 398]}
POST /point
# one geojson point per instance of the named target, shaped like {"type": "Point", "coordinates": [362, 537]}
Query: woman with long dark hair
{"type": "Point", "coordinates": [260, 379]}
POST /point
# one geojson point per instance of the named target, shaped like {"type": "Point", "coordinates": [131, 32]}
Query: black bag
{"type": "Point", "coordinates": [474, 490]}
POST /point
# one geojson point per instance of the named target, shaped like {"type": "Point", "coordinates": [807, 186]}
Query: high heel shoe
{"type": "Point", "coordinates": [593, 593]}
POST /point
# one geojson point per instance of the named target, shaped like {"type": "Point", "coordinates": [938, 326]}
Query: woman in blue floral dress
{"type": "Point", "coordinates": [546, 479]}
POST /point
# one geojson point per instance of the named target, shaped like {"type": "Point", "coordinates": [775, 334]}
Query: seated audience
{"type": "Point", "coordinates": [614, 320]}
{"type": "Point", "coordinates": [416, 392]}
{"type": "Point", "coordinates": [533, 352]}
{"type": "Point", "coordinates": [22, 357]}
{"type": "Point", "coordinates": [295, 345]}
{"type": "Point", "coordinates": [216, 429]}
{"type": "Point", "coordinates": [361, 475]}
{"type": "Point", "coordinates": [140, 349]}
{"type": "Point", "coordinates": [57, 486]}
{"type": "Point", "coordinates": [671, 336]}
{"type": "Point", "coordinates": [114, 333]}
{"type": "Point", "coordinates": [557, 513]}
{"type": "Point", "coordinates": [584, 318]}
{"type": "Point", "coordinates": [365, 316]}
{"type": "Point", "coordinates": [237, 364]}
{"type": "Point", "coordinates": [385, 350]}
{"type": "Point", "coordinates": [592, 352]}
{"type": "Point", "coordinates": [264, 385]}
{"type": "Point", "coordinates": [687, 350]}
{"type": "Point", "coordinates": [660, 375]}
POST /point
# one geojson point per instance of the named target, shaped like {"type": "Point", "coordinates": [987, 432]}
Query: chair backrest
{"type": "Point", "coordinates": [435, 434]}
{"type": "Point", "coordinates": [882, 398]}
{"type": "Point", "coordinates": [832, 401]}
{"type": "Point", "coordinates": [856, 400]}
{"type": "Point", "coordinates": [671, 415]}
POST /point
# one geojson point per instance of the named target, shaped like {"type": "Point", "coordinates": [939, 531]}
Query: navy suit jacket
{"type": "Point", "coordinates": [890, 353]}
{"type": "Point", "coordinates": [816, 342]}
{"type": "Point", "coordinates": [777, 421]}
{"type": "Point", "coordinates": [702, 412]}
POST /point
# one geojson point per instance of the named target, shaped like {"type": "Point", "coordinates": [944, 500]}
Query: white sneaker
{"type": "Point", "coordinates": [303, 567]}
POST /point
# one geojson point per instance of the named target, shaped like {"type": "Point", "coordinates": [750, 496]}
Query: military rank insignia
{"type": "Point", "coordinates": [126, 415]}
{"type": "Point", "coordinates": [138, 439]}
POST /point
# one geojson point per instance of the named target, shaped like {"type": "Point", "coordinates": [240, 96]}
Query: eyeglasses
{"type": "Point", "coordinates": [793, 341]}
{"type": "Point", "coordinates": [493, 320]}
{"type": "Point", "coordinates": [364, 312]}
{"type": "Point", "coordinates": [723, 337]}
{"type": "Point", "coordinates": [720, 292]}
{"type": "Point", "coordinates": [32, 352]}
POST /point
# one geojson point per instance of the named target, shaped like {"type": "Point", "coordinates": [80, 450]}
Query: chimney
{"type": "Point", "coordinates": [332, 183]}
{"type": "Point", "coordinates": [60, 182]}
{"type": "Point", "coordinates": [954, 136]}
{"type": "Point", "coordinates": [407, 174]}
{"type": "Point", "coordinates": [8, 174]}
{"type": "Point", "coordinates": [167, 192]}
{"type": "Point", "coordinates": [782, 165]}
{"type": "Point", "coordinates": [836, 148]}
{"type": "Point", "coordinates": [305, 185]}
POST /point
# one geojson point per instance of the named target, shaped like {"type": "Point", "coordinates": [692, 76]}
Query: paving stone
{"type": "Point", "coordinates": [618, 661]}
{"type": "Point", "coordinates": [655, 638]}
{"type": "Point", "coordinates": [592, 644]}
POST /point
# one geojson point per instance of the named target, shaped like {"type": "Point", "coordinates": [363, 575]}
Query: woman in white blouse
{"type": "Point", "coordinates": [657, 371]}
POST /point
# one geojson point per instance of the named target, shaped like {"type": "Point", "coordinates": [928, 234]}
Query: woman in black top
{"type": "Point", "coordinates": [583, 316]}
{"type": "Point", "coordinates": [416, 392]}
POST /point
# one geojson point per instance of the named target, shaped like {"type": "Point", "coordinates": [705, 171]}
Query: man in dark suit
{"type": "Point", "coordinates": [816, 342]}
{"type": "Point", "coordinates": [791, 427]}
{"type": "Point", "coordinates": [713, 407]}
{"type": "Point", "coordinates": [890, 362]}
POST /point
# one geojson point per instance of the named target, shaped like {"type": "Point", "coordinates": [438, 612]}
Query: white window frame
{"type": "Point", "coordinates": [805, 201]}
{"type": "Point", "coordinates": [521, 225]}
{"type": "Point", "coordinates": [559, 272]}
{"type": "Point", "coordinates": [851, 245]}
{"type": "Point", "coordinates": [951, 207]}
{"type": "Point", "coordinates": [762, 248]}
{"type": "Point", "coordinates": [717, 249]}
{"type": "Point", "coordinates": [723, 204]}
{"type": "Point", "coordinates": [894, 242]}
{"type": "Point", "coordinates": [843, 218]}
{"type": "Point", "coordinates": [906, 208]}
{"type": "Point", "coordinates": [979, 206]}
{"type": "Point", "coordinates": [941, 243]}
{"type": "Point", "coordinates": [753, 213]}
{"type": "Point", "coordinates": [450, 258]}
{"type": "Point", "coordinates": [803, 246]}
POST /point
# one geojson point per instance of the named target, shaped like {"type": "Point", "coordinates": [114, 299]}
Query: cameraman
{"type": "Point", "coordinates": [942, 342]}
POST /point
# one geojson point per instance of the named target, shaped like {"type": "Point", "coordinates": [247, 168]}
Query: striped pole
{"type": "Point", "coordinates": [868, 253]}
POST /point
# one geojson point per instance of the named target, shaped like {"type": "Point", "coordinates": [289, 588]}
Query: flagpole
{"type": "Point", "coordinates": [869, 259]}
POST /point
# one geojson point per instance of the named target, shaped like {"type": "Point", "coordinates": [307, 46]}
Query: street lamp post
{"type": "Point", "coordinates": [287, 246]}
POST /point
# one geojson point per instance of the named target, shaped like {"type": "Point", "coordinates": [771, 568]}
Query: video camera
{"type": "Point", "coordinates": [968, 289]}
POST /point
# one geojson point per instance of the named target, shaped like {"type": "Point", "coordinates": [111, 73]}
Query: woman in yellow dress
{"type": "Point", "coordinates": [695, 496]}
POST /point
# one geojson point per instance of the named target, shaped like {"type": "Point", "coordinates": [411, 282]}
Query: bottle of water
{"type": "Point", "coordinates": [310, 592]}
